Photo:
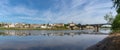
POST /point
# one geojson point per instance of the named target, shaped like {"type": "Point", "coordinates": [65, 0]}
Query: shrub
{"type": "Point", "coordinates": [116, 23]}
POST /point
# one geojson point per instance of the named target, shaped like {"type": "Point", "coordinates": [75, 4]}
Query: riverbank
{"type": "Point", "coordinates": [33, 29]}
{"type": "Point", "coordinates": [112, 42]}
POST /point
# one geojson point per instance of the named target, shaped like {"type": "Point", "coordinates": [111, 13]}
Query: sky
{"type": "Point", "coordinates": [55, 11]}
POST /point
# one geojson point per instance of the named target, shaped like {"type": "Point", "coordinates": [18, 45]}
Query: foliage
{"type": "Point", "coordinates": [117, 5]}
{"type": "Point", "coordinates": [66, 25]}
{"type": "Point", "coordinates": [78, 25]}
{"type": "Point", "coordinates": [109, 18]}
{"type": "Point", "coordinates": [116, 23]}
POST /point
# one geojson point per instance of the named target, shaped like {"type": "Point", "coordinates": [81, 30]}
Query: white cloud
{"type": "Point", "coordinates": [91, 13]}
{"type": "Point", "coordinates": [79, 11]}
{"type": "Point", "coordinates": [6, 9]}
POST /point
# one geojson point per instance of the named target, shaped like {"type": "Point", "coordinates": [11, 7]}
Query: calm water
{"type": "Point", "coordinates": [49, 40]}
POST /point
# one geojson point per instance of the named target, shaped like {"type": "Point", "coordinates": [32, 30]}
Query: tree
{"type": "Point", "coordinates": [116, 22]}
{"type": "Point", "coordinates": [109, 18]}
{"type": "Point", "coordinates": [117, 5]}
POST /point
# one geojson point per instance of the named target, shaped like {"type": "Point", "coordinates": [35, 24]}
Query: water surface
{"type": "Point", "coordinates": [49, 40]}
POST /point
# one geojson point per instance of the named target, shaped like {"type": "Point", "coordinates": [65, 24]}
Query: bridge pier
{"type": "Point", "coordinates": [96, 28]}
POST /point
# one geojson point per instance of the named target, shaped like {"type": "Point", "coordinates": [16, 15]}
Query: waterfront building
{"type": "Point", "coordinates": [89, 27]}
{"type": "Point", "coordinates": [19, 25]}
{"type": "Point", "coordinates": [59, 24]}
{"type": "Point", "coordinates": [35, 25]}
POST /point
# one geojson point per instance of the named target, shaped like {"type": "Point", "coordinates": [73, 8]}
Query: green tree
{"type": "Point", "coordinates": [117, 5]}
{"type": "Point", "coordinates": [109, 18]}
{"type": "Point", "coordinates": [116, 22]}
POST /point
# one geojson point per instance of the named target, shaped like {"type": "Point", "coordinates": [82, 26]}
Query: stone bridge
{"type": "Point", "coordinates": [96, 27]}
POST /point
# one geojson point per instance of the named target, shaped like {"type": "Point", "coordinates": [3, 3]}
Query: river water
{"type": "Point", "coordinates": [49, 39]}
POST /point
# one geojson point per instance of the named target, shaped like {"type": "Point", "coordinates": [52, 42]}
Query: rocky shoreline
{"type": "Point", "coordinates": [112, 42]}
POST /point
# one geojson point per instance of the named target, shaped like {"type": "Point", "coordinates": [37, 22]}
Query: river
{"type": "Point", "coordinates": [50, 39]}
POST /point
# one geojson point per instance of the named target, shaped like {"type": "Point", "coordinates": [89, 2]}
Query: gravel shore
{"type": "Point", "coordinates": [112, 42]}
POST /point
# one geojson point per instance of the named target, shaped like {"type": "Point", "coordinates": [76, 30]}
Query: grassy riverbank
{"type": "Point", "coordinates": [112, 42]}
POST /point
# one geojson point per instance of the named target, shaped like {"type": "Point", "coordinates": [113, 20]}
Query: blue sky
{"type": "Point", "coordinates": [55, 11]}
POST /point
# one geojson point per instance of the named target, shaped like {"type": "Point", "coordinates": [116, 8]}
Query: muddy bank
{"type": "Point", "coordinates": [112, 42]}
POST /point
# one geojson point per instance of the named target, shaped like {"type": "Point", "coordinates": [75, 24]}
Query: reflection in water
{"type": "Point", "coordinates": [46, 33]}
{"type": "Point", "coordinates": [48, 40]}
{"type": "Point", "coordinates": [105, 30]}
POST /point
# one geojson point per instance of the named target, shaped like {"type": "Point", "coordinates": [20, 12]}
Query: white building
{"type": "Point", "coordinates": [10, 26]}
{"type": "Point", "coordinates": [43, 26]}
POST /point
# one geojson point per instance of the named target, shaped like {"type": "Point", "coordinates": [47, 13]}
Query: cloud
{"type": "Point", "coordinates": [61, 11]}
{"type": "Point", "coordinates": [83, 11]}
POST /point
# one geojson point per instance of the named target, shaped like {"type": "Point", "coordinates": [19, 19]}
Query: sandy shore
{"type": "Point", "coordinates": [112, 42]}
